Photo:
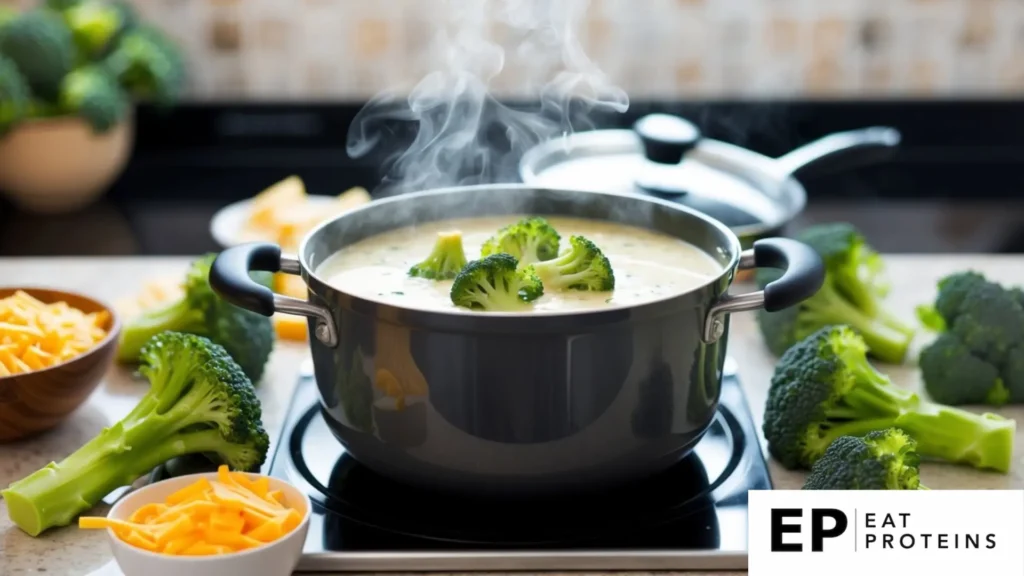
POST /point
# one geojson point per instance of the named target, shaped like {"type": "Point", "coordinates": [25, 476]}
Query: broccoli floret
{"type": "Point", "coordinates": [445, 260]}
{"type": "Point", "coordinates": [974, 358]}
{"type": "Point", "coordinates": [148, 65]}
{"type": "Point", "coordinates": [40, 45]}
{"type": "Point", "coordinates": [494, 284]}
{"type": "Point", "coordinates": [824, 388]}
{"type": "Point", "coordinates": [93, 94]}
{"type": "Point", "coordinates": [14, 95]}
{"type": "Point", "coordinates": [851, 295]}
{"type": "Point", "coordinates": [954, 376]}
{"type": "Point", "coordinates": [881, 460]}
{"type": "Point", "coordinates": [94, 25]}
{"type": "Point", "coordinates": [247, 336]}
{"type": "Point", "coordinates": [199, 402]}
{"type": "Point", "coordinates": [581, 266]}
{"type": "Point", "coordinates": [530, 240]}
{"type": "Point", "coordinates": [953, 289]}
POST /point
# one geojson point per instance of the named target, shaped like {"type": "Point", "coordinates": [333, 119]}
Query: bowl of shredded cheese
{"type": "Point", "coordinates": [210, 524]}
{"type": "Point", "coordinates": [55, 348]}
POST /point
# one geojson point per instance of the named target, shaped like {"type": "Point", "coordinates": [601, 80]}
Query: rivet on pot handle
{"type": "Point", "coordinates": [802, 277]}
{"type": "Point", "coordinates": [229, 278]}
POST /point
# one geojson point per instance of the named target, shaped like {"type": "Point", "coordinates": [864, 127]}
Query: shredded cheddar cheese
{"type": "Point", "coordinates": [35, 335]}
{"type": "Point", "coordinates": [229, 514]}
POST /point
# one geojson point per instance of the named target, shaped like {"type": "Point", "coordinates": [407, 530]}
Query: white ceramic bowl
{"type": "Point", "coordinates": [277, 558]}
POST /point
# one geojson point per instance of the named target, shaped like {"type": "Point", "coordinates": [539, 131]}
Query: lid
{"type": "Point", "coordinates": [666, 156]}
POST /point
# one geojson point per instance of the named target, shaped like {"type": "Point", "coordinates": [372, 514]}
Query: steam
{"type": "Point", "coordinates": [465, 136]}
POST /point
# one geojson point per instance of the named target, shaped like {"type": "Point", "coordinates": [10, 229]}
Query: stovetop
{"type": "Point", "coordinates": [694, 516]}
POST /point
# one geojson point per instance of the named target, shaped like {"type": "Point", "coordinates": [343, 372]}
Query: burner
{"type": "Point", "coordinates": [693, 516]}
{"type": "Point", "coordinates": [349, 490]}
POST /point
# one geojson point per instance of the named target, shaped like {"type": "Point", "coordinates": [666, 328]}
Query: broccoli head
{"type": "Point", "coordinates": [495, 284]}
{"type": "Point", "coordinates": [148, 64]}
{"type": "Point", "coordinates": [40, 45]}
{"type": "Point", "coordinates": [93, 94]}
{"type": "Point", "coordinates": [851, 295]}
{"type": "Point", "coordinates": [94, 25]}
{"type": "Point", "coordinates": [824, 388]}
{"type": "Point", "coordinates": [247, 336]}
{"type": "Point", "coordinates": [530, 240]}
{"type": "Point", "coordinates": [975, 357]}
{"type": "Point", "coordinates": [881, 460]}
{"type": "Point", "coordinates": [199, 402]}
{"type": "Point", "coordinates": [14, 95]}
{"type": "Point", "coordinates": [582, 266]}
{"type": "Point", "coordinates": [953, 375]}
{"type": "Point", "coordinates": [445, 260]}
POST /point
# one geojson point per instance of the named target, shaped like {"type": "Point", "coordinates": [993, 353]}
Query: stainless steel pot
{"type": "Point", "coordinates": [668, 157]}
{"type": "Point", "coordinates": [517, 404]}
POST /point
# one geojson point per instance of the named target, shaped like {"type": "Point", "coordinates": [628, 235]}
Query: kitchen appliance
{"type": "Point", "coordinates": [691, 517]}
{"type": "Point", "coordinates": [666, 156]}
{"type": "Point", "coordinates": [521, 404]}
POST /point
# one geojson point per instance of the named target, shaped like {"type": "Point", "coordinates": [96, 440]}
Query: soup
{"type": "Point", "coordinates": [648, 265]}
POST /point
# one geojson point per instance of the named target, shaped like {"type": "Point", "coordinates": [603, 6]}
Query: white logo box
{"type": "Point", "coordinates": [933, 532]}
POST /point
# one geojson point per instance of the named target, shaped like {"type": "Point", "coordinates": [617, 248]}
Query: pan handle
{"type": "Point", "coordinates": [802, 277]}
{"type": "Point", "coordinates": [229, 278]}
{"type": "Point", "coordinates": [839, 151]}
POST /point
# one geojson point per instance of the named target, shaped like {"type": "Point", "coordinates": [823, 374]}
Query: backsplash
{"type": "Point", "coordinates": [353, 49]}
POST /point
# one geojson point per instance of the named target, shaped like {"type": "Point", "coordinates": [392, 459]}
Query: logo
{"type": "Point", "coordinates": [840, 533]}
{"type": "Point", "coordinates": [818, 530]}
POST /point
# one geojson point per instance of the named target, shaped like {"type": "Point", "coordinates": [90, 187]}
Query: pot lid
{"type": "Point", "coordinates": [667, 156]}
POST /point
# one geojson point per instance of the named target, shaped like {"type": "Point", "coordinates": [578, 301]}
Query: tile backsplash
{"type": "Point", "coordinates": [353, 49]}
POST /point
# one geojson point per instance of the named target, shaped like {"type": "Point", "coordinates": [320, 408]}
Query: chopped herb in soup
{"type": "Point", "coordinates": [408, 267]}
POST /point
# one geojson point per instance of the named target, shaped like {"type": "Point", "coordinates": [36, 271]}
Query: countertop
{"type": "Point", "coordinates": [71, 552]}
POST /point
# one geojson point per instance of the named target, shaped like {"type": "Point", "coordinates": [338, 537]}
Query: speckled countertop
{"type": "Point", "coordinates": [71, 552]}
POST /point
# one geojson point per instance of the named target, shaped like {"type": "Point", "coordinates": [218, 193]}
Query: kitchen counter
{"type": "Point", "coordinates": [71, 552]}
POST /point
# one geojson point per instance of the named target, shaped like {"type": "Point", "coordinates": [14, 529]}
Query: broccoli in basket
{"type": "Point", "coordinates": [93, 93]}
{"type": "Point", "coordinates": [40, 45]}
{"type": "Point", "coordinates": [881, 460]}
{"type": "Point", "coordinates": [247, 336]}
{"type": "Point", "coordinates": [824, 388]}
{"type": "Point", "coordinates": [978, 356]}
{"type": "Point", "coordinates": [582, 266]}
{"type": "Point", "coordinates": [530, 240]}
{"type": "Point", "coordinates": [445, 260]}
{"type": "Point", "coordinates": [495, 284]}
{"type": "Point", "coordinates": [851, 295]}
{"type": "Point", "coordinates": [199, 402]}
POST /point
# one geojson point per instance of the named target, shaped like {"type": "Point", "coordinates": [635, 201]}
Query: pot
{"type": "Point", "coordinates": [521, 404]}
{"type": "Point", "coordinates": [668, 157]}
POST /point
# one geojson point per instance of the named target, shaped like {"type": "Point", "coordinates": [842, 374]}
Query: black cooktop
{"type": "Point", "coordinates": [694, 516]}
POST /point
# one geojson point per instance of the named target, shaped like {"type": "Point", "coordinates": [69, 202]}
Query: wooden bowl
{"type": "Point", "coordinates": [38, 401]}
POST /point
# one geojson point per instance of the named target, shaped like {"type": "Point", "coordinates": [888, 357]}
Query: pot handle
{"type": "Point", "coordinates": [229, 278]}
{"type": "Point", "coordinates": [839, 150]}
{"type": "Point", "coordinates": [802, 277]}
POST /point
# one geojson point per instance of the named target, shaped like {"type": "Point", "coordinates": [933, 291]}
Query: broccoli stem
{"type": "Point", "coordinates": [955, 435]}
{"type": "Point", "coordinates": [951, 434]}
{"type": "Point", "coordinates": [884, 342]}
{"type": "Point", "coordinates": [895, 323]}
{"type": "Point", "coordinates": [57, 493]}
{"type": "Point", "coordinates": [178, 316]}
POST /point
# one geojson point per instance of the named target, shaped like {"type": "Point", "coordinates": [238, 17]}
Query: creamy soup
{"type": "Point", "coordinates": [648, 265]}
